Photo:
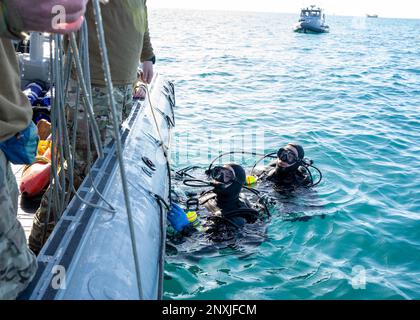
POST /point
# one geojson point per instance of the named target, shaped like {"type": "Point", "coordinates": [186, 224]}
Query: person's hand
{"type": "Point", "coordinates": [177, 218]}
{"type": "Point", "coordinates": [140, 90]}
{"type": "Point", "coordinates": [54, 16]}
{"type": "Point", "coordinates": [147, 74]}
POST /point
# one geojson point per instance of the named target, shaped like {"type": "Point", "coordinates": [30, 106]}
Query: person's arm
{"type": "Point", "coordinates": [5, 31]}
{"type": "Point", "coordinates": [3, 25]}
{"type": "Point", "coordinates": [147, 55]}
{"type": "Point", "coordinates": [17, 16]}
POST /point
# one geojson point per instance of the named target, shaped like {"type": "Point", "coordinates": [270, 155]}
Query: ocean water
{"type": "Point", "coordinates": [352, 99]}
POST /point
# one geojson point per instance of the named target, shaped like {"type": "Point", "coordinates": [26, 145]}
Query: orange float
{"type": "Point", "coordinates": [36, 177]}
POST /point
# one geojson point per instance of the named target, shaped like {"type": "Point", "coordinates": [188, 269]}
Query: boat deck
{"type": "Point", "coordinates": [26, 207]}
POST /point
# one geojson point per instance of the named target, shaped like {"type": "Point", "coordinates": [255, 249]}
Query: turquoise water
{"type": "Point", "coordinates": [352, 98]}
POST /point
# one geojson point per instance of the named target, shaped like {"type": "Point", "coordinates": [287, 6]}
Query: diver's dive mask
{"type": "Point", "coordinates": [223, 175]}
{"type": "Point", "coordinates": [287, 155]}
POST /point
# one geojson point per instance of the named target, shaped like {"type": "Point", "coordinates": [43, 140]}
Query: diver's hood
{"type": "Point", "coordinates": [228, 195]}
{"type": "Point", "coordinates": [294, 167]}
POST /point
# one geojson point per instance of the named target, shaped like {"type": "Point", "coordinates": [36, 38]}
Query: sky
{"type": "Point", "coordinates": [384, 8]}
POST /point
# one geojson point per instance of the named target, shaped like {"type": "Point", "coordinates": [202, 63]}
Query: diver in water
{"type": "Point", "coordinates": [228, 210]}
{"type": "Point", "coordinates": [226, 200]}
{"type": "Point", "coordinates": [290, 170]}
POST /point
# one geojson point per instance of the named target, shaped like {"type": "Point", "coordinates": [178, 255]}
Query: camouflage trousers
{"type": "Point", "coordinates": [124, 103]}
{"type": "Point", "coordinates": [17, 262]}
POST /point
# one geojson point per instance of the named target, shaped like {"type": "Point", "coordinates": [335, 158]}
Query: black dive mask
{"type": "Point", "coordinates": [228, 181]}
{"type": "Point", "coordinates": [223, 175]}
{"type": "Point", "coordinates": [287, 156]}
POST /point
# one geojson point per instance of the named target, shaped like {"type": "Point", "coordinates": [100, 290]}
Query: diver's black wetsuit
{"type": "Point", "coordinates": [227, 217]}
{"type": "Point", "coordinates": [285, 180]}
{"type": "Point", "coordinates": [223, 211]}
{"type": "Point", "coordinates": [228, 209]}
{"type": "Point", "coordinates": [221, 220]}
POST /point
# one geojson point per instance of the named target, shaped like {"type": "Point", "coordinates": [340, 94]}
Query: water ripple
{"type": "Point", "coordinates": [352, 99]}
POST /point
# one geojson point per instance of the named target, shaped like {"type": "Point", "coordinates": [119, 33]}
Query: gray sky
{"type": "Point", "coordinates": [384, 8]}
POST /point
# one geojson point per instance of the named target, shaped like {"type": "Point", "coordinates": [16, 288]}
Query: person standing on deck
{"type": "Point", "coordinates": [128, 43]}
{"type": "Point", "coordinates": [18, 136]}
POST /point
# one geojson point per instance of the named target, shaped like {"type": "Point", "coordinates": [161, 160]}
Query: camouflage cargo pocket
{"type": "Point", "coordinates": [17, 263]}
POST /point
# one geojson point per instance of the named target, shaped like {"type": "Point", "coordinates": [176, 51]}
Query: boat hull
{"type": "Point", "coordinates": [92, 247]}
{"type": "Point", "coordinates": [310, 28]}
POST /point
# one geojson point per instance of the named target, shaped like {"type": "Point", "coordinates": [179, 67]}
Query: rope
{"type": "Point", "coordinates": [64, 147]}
{"type": "Point", "coordinates": [152, 109]}
{"type": "Point", "coordinates": [108, 80]}
{"type": "Point", "coordinates": [84, 49]}
{"type": "Point", "coordinates": [86, 96]}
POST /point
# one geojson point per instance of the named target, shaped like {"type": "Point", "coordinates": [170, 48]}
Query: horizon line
{"type": "Point", "coordinates": [248, 11]}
